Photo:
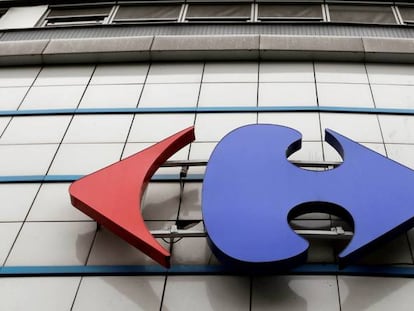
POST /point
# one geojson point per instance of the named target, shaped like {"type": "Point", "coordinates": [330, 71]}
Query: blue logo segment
{"type": "Point", "coordinates": [250, 190]}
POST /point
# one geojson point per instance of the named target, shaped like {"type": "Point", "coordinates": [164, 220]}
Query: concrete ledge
{"type": "Point", "coordinates": [205, 47]}
{"type": "Point", "coordinates": [97, 50]}
{"type": "Point", "coordinates": [22, 52]}
{"type": "Point", "coordinates": [389, 49]}
{"type": "Point", "coordinates": [311, 48]}
{"type": "Point", "coordinates": [190, 48]}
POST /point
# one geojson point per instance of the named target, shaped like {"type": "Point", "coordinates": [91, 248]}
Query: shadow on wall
{"type": "Point", "coordinates": [143, 292]}
{"type": "Point", "coordinates": [371, 293]}
{"type": "Point", "coordinates": [230, 293]}
{"type": "Point", "coordinates": [274, 293]}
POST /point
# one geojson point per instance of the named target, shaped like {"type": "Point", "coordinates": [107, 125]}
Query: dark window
{"type": "Point", "coordinates": [295, 12]}
{"type": "Point", "coordinates": [147, 13]}
{"type": "Point", "coordinates": [205, 12]}
{"type": "Point", "coordinates": [407, 14]}
{"type": "Point", "coordinates": [77, 16]}
{"type": "Point", "coordinates": [371, 14]}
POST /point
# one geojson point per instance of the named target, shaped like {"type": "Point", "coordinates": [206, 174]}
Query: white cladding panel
{"type": "Point", "coordinates": [22, 17]}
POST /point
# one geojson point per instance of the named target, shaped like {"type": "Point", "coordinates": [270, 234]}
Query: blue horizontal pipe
{"type": "Point", "coordinates": [71, 178]}
{"type": "Point", "coordinates": [307, 269]}
{"type": "Point", "coordinates": [225, 109]}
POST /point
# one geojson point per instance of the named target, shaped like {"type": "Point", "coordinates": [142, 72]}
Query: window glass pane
{"type": "Point", "coordinates": [148, 12]}
{"type": "Point", "coordinates": [60, 12]}
{"type": "Point", "coordinates": [362, 14]}
{"type": "Point", "coordinates": [219, 11]}
{"type": "Point", "coordinates": [407, 14]}
{"type": "Point", "coordinates": [289, 12]}
{"type": "Point", "coordinates": [77, 16]}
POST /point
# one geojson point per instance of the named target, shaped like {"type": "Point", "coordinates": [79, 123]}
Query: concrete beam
{"type": "Point", "coordinates": [205, 47]}
{"type": "Point", "coordinates": [389, 50]}
{"type": "Point", "coordinates": [22, 52]}
{"type": "Point", "coordinates": [97, 50]}
{"type": "Point", "coordinates": [190, 48]}
{"type": "Point", "coordinates": [311, 48]}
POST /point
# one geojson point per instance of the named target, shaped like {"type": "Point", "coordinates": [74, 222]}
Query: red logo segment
{"type": "Point", "coordinates": [112, 196]}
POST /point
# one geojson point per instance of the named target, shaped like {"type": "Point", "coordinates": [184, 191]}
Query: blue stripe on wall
{"type": "Point", "coordinates": [307, 269]}
{"type": "Point", "coordinates": [71, 178]}
{"type": "Point", "coordinates": [233, 109]}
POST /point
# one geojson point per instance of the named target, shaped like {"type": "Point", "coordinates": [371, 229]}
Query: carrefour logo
{"type": "Point", "coordinates": [250, 190]}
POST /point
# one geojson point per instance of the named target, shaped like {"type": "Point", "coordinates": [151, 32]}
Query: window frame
{"type": "Point", "coordinates": [408, 22]}
{"type": "Point", "coordinates": [77, 19]}
{"type": "Point", "coordinates": [179, 5]}
{"type": "Point", "coordinates": [207, 19]}
{"type": "Point", "coordinates": [291, 18]}
{"type": "Point", "coordinates": [359, 4]}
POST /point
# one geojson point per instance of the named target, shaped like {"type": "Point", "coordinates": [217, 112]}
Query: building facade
{"type": "Point", "coordinates": [83, 85]}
